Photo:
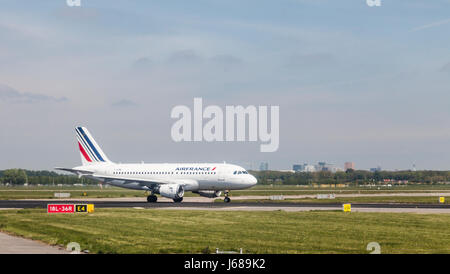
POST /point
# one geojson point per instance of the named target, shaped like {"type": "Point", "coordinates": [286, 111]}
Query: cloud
{"type": "Point", "coordinates": [12, 95]}
{"type": "Point", "coordinates": [431, 25]}
{"type": "Point", "coordinates": [226, 59]}
{"type": "Point", "coordinates": [124, 103]}
{"type": "Point", "coordinates": [187, 57]}
{"type": "Point", "coordinates": [143, 63]}
{"type": "Point", "coordinates": [445, 68]}
{"type": "Point", "coordinates": [310, 60]}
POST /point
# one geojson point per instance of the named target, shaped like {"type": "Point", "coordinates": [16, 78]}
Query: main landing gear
{"type": "Point", "coordinates": [152, 198]}
{"type": "Point", "coordinates": [226, 199]}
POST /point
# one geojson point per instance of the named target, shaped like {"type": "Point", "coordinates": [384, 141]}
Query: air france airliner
{"type": "Point", "coordinates": [167, 180]}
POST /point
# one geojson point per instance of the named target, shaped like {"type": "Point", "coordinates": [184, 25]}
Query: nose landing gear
{"type": "Point", "coordinates": [226, 199]}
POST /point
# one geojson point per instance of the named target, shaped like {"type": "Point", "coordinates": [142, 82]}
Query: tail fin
{"type": "Point", "coordinates": [90, 151]}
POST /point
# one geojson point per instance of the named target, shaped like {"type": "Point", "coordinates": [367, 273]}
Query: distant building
{"type": "Point", "coordinates": [349, 165]}
{"type": "Point", "coordinates": [374, 169]}
{"type": "Point", "coordinates": [334, 169]}
{"type": "Point", "coordinates": [322, 166]}
{"type": "Point", "coordinates": [264, 166]}
{"type": "Point", "coordinates": [287, 170]}
{"type": "Point", "coordinates": [303, 168]}
{"type": "Point", "coordinates": [309, 168]}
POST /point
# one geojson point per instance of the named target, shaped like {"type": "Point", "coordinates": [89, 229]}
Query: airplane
{"type": "Point", "coordinates": [168, 180]}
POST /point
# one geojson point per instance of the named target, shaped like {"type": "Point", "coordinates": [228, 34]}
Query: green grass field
{"type": "Point", "coordinates": [181, 231]}
{"type": "Point", "coordinates": [27, 193]}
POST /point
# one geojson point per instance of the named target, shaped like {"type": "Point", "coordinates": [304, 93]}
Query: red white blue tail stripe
{"type": "Point", "coordinates": [89, 149]}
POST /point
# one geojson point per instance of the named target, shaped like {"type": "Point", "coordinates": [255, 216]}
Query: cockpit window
{"type": "Point", "coordinates": [234, 172]}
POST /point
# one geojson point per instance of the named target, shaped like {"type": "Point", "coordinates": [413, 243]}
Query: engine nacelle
{"type": "Point", "coordinates": [209, 193]}
{"type": "Point", "coordinates": [172, 191]}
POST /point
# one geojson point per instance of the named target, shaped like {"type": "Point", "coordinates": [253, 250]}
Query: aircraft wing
{"type": "Point", "coordinates": [76, 171]}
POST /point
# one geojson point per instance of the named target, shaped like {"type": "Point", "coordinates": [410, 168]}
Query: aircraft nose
{"type": "Point", "coordinates": [252, 180]}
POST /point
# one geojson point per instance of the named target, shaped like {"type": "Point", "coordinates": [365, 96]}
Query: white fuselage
{"type": "Point", "coordinates": [194, 177]}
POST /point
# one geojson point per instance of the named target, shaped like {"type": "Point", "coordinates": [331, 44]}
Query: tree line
{"type": "Point", "coordinates": [44, 177]}
{"type": "Point", "coordinates": [351, 177]}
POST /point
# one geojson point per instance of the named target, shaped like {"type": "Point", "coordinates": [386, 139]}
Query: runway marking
{"type": "Point", "coordinates": [258, 197]}
{"type": "Point", "coordinates": [300, 209]}
{"type": "Point", "coordinates": [287, 206]}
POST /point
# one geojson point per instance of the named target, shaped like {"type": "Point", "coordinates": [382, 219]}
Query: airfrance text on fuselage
{"type": "Point", "coordinates": [193, 169]}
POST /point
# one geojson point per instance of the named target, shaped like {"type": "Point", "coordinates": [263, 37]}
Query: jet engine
{"type": "Point", "coordinates": [209, 193]}
{"type": "Point", "coordinates": [172, 191]}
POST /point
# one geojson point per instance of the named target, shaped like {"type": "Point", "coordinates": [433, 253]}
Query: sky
{"type": "Point", "coordinates": [370, 85]}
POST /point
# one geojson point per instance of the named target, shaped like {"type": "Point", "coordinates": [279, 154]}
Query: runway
{"type": "Point", "coordinates": [111, 203]}
{"type": "Point", "coordinates": [16, 245]}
